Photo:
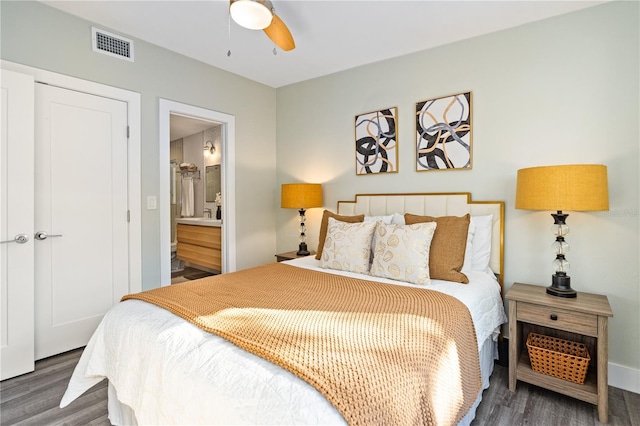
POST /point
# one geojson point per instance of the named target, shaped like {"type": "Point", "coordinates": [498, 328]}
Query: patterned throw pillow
{"type": "Point", "coordinates": [384, 219]}
{"type": "Point", "coordinates": [325, 223]}
{"type": "Point", "coordinates": [448, 247]}
{"type": "Point", "coordinates": [402, 252]}
{"type": "Point", "coordinates": [347, 246]}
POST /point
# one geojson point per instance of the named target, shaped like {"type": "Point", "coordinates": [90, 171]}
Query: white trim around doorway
{"type": "Point", "coordinates": [166, 108]}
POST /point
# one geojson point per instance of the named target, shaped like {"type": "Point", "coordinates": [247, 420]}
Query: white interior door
{"type": "Point", "coordinates": [16, 219]}
{"type": "Point", "coordinates": [81, 262]}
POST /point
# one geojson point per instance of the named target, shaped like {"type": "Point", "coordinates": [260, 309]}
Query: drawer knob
{"type": "Point", "coordinates": [554, 317]}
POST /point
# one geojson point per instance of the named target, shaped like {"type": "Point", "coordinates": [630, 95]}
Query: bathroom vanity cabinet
{"type": "Point", "coordinates": [200, 245]}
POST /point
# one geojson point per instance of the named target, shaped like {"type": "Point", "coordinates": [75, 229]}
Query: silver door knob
{"type": "Point", "coordinates": [41, 235]}
{"type": "Point", "coordinates": [20, 239]}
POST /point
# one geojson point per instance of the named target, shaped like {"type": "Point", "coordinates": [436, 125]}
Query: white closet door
{"type": "Point", "coordinates": [81, 195]}
{"type": "Point", "coordinates": [16, 219]}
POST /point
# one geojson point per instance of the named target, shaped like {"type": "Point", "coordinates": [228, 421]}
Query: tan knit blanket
{"type": "Point", "coordinates": [380, 353]}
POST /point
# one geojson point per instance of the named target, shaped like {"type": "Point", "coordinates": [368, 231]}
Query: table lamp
{"type": "Point", "coordinates": [578, 187]}
{"type": "Point", "coordinates": [301, 196]}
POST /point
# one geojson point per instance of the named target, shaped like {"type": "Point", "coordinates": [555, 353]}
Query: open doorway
{"type": "Point", "coordinates": [195, 156]}
{"type": "Point", "coordinates": [188, 121]}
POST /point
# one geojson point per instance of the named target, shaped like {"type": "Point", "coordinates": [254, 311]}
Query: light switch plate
{"type": "Point", "coordinates": [152, 202]}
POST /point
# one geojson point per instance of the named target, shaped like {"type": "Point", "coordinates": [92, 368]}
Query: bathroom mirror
{"type": "Point", "coordinates": [212, 178]}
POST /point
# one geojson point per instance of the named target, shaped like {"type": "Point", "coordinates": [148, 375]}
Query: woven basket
{"type": "Point", "coordinates": [560, 358]}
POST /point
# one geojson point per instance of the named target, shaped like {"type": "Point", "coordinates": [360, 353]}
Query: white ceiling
{"type": "Point", "coordinates": [330, 35]}
{"type": "Point", "coordinates": [181, 126]}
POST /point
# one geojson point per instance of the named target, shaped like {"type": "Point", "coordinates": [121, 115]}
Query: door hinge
{"type": "Point", "coordinates": [128, 131]}
{"type": "Point", "coordinates": [128, 215]}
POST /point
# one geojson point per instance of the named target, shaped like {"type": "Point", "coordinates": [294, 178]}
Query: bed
{"type": "Point", "coordinates": [165, 370]}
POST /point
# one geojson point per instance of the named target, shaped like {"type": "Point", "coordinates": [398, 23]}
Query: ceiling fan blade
{"type": "Point", "coordinates": [280, 34]}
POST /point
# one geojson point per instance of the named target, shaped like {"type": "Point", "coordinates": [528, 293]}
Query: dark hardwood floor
{"type": "Point", "coordinates": [32, 399]}
{"type": "Point", "coordinates": [531, 405]}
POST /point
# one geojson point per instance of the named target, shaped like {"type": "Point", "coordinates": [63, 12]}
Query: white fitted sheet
{"type": "Point", "coordinates": [164, 370]}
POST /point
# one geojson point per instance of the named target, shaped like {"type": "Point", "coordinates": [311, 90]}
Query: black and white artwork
{"type": "Point", "coordinates": [377, 142]}
{"type": "Point", "coordinates": [443, 133]}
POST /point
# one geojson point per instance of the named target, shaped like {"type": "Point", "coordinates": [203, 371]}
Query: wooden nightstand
{"type": "Point", "coordinates": [582, 319]}
{"type": "Point", "coordinates": [291, 255]}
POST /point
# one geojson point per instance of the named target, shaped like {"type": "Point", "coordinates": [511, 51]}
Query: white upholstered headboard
{"type": "Point", "coordinates": [436, 204]}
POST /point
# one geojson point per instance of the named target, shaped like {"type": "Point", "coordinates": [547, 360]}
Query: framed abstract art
{"type": "Point", "coordinates": [377, 142]}
{"type": "Point", "coordinates": [443, 133]}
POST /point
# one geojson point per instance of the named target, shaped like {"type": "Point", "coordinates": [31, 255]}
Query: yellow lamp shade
{"type": "Point", "coordinates": [301, 195]}
{"type": "Point", "coordinates": [576, 187]}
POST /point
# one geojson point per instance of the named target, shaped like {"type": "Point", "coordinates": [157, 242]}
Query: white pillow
{"type": "Point", "coordinates": [478, 251]}
{"type": "Point", "coordinates": [398, 219]}
{"type": "Point", "coordinates": [402, 252]}
{"type": "Point", "coordinates": [347, 246]}
{"type": "Point", "coordinates": [468, 251]}
{"type": "Point", "coordinates": [482, 242]}
{"type": "Point", "coordinates": [384, 219]}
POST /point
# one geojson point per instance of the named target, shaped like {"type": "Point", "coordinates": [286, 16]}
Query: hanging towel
{"type": "Point", "coordinates": [174, 178]}
{"type": "Point", "coordinates": [187, 197]}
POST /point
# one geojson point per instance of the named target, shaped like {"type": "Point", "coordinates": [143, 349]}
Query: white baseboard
{"type": "Point", "coordinates": [624, 378]}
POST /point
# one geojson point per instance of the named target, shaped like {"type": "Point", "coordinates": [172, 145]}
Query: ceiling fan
{"type": "Point", "coordinates": [260, 15]}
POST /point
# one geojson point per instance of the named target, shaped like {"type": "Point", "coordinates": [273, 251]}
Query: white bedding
{"type": "Point", "coordinates": [169, 371]}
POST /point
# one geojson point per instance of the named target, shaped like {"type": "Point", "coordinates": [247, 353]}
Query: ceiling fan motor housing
{"type": "Point", "coordinates": [251, 14]}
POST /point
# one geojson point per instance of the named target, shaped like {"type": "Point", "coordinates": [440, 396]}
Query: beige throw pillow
{"type": "Point", "coordinates": [347, 246]}
{"type": "Point", "coordinates": [402, 252]}
{"type": "Point", "coordinates": [325, 223]}
{"type": "Point", "coordinates": [446, 256]}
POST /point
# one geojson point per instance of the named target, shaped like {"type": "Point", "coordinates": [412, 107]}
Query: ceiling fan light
{"type": "Point", "coordinates": [251, 14]}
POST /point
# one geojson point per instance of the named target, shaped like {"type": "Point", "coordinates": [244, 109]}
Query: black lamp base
{"type": "Point", "coordinates": [561, 286]}
{"type": "Point", "coordinates": [302, 250]}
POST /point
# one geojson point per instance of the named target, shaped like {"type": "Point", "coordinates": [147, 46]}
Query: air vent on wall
{"type": "Point", "coordinates": [111, 44]}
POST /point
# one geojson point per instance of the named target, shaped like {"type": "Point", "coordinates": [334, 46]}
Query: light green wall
{"type": "Point", "coordinates": [39, 36]}
{"type": "Point", "coordinates": [559, 91]}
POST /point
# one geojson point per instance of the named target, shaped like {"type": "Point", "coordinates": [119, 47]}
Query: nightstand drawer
{"type": "Point", "coordinates": [576, 322]}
